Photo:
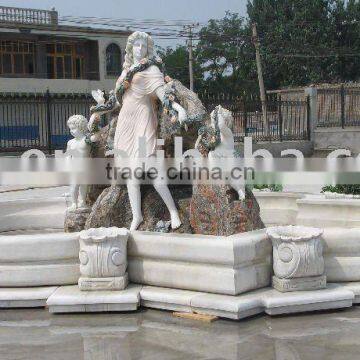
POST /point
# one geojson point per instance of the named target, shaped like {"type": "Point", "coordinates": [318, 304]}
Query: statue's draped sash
{"type": "Point", "coordinates": [138, 116]}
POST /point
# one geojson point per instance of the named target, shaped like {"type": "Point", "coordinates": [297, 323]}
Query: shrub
{"type": "Point", "coordinates": [271, 187]}
{"type": "Point", "coordinates": [353, 189]}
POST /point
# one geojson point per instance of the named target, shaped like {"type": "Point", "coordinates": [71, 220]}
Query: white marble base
{"type": "Point", "coordinates": [327, 213]}
{"type": "Point", "coordinates": [223, 265]}
{"type": "Point", "coordinates": [45, 259]}
{"type": "Point", "coordinates": [25, 297]}
{"type": "Point", "coordinates": [355, 288]}
{"type": "Point", "coordinates": [299, 284]}
{"type": "Point", "coordinates": [266, 300]}
{"type": "Point", "coordinates": [342, 254]}
{"type": "Point", "coordinates": [32, 213]}
{"type": "Point", "coordinates": [277, 208]}
{"type": "Point", "coordinates": [69, 299]}
{"type": "Point", "coordinates": [96, 284]}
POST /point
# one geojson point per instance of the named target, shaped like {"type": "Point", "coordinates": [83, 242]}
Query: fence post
{"type": "Point", "coordinates": [311, 92]}
{"type": "Point", "coordinates": [280, 119]}
{"type": "Point", "coordinates": [54, 17]}
{"type": "Point", "coordinates": [342, 100]}
{"type": "Point", "coordinates": [308, 117]}
{"type": "Point", "coordinates": [245, 118]}
{"type": "Point", "coordinates": [48, 118]}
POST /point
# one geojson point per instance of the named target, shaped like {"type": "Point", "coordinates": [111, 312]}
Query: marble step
{"type": "Point", "coordinates": [267, 300]}
{"type": "Point", "coordinates": [65, 299]}
{"type": "Point", "coordinates": [25, 297]}
{"type": "Point", "coordinates": [68, 299]}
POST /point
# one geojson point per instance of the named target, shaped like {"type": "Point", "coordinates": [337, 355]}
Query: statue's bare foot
{"type": "Point", "coordinates": [241, 195]}
{"type": "Point", "coordinates": [136, 223]}
{"type": "Point", "coordinates": [82, 205]}
{"type": "Point", "coordinates": [175, 220]}
{"type": "Point", "coordinates": [73, 207]}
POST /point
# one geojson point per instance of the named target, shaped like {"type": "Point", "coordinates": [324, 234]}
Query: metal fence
{"type": "Point", "coordinates": [283, 121]}
{"type": "Point", "coordinates": [338, 107]}
{"type": "Point", "coordinates": [38, 121]}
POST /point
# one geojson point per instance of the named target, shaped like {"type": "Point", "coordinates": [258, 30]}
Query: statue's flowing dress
{"type": "Point", "coordinates": [138, 115]}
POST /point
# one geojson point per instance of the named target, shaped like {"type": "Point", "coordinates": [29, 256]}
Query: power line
{"type": "Point", "coordinates": [174, 30]}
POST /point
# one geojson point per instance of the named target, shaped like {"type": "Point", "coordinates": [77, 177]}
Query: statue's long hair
{"type": "Point", "coordinates": [129, 58]}
{"type": "Point", "coordinates": [227, 115]}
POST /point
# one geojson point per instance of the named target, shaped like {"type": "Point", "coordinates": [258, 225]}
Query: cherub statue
{"type": "Point", "coordinates": [223, 120]}
{"type": "Point", "coordinates": [217, 141]}
{"type": "Point", "coordinates": [78, 147]}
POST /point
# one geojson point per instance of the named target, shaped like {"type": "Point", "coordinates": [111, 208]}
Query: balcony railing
{"type": "Point", "coordinates": [27, 16]}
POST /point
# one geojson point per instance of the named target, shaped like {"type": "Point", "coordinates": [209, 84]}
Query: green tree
{"type": "Point", "coordinates": [227, 56]}
{"type": "Point", "coordinates": [177, 65]}
{"type": "Point", "coordinates": [346, 18]}
{"type": "Point", "coordinates": [302, 42]}
{"type": "Point", "coordinates": [296, 36]}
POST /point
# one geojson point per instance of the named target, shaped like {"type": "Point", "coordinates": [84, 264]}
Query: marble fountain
{"type": "Point", "coordinates": [224, 256]}
{"type": "Point", "coordinates": [226, 276]}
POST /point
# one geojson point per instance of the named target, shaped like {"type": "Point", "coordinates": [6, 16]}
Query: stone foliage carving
{"type": "Point", "coordinates": [197, 117]}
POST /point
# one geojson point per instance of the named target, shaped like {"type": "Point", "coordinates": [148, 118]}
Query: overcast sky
{"type": "Point", "coordinates": [194, 10]}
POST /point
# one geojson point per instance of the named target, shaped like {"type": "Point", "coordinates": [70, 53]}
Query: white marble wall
{"type": "Point", "coordinates": [225, 265]}
{"type": "Point", "coordinates": [325, 213]}
{"type": "Point", "coordinates": [278, 208]}
{"type": "Point", "coordinates": [39, 260]}
{"type": "Point", "coordinates": [342, 254]}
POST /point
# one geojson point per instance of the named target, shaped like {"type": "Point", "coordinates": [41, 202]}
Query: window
{"type": "Point", "coordinates": [17, 58]}
{"type": "Point", "coordinates": [65, 61]}
{"type": "Point", "coordinates": [113, 60]}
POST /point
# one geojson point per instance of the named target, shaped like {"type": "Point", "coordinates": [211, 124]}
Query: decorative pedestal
{"type": "Point", "coordinates": [297, 258]}
{"type": "Point", "coordinates": [298, 284]}
{"type": "Point", "coordinates": [103, 259]}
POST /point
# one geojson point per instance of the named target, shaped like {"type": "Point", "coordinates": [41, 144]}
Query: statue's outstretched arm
{"type": "Point", "coordinates": [108, 106]}
{"type": "Point", "coordinates": [181, 112]}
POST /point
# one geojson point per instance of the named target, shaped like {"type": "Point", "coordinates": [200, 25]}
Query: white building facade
{"type": "Point", "coordinates": [37, 54]}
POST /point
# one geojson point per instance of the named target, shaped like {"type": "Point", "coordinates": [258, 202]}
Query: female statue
{"type": "Point", "coordinates": [138, 88]}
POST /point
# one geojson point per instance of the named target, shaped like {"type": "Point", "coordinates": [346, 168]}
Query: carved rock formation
{"type": "Point", "coordinates": [112, 208]}
{"type": "Point", "coordinates": [216, 210]}
{"type": "Point", "coordinates": [75, 220]}
{"type": "Point", "coordinates": [98, 150]}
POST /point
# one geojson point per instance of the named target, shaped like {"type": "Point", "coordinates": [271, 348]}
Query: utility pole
{"type": "Point", "coordinates": [191, 56]}
{"type": "Point", "coordinates": [256, 43]}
